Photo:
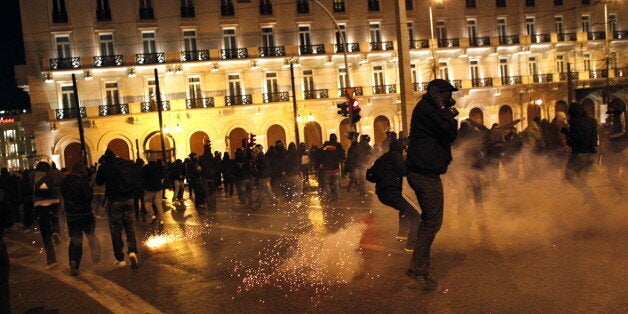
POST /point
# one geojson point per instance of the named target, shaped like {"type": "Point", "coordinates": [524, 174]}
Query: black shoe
{"type": "Point", "coordinates": [73, 268]}
{"type": "Point", "coordinates": [423, 282]}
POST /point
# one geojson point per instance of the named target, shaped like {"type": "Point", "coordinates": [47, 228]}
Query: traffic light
{"type": "Point", "coordinates": [344, 111]}
{"type": "Point", "coordinates": [355, 110]}
{"type": "Point", "coordinates": [248, 141]}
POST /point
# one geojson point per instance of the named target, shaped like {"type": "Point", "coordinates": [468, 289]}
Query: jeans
{"type": "Point", "coordinates": [264, 190]}
{"type": "Point", "coordinates": [76, 228]}
{"type": "Point", "coordinates": [209, 188]}
{"type": "Point", "coordinates": [331, 190]}
{"type": "Point", "coordinates": [178, 185]}
{"type": "Point", "coordinates": [245, 191]}
{"type": "Point", "coordinates": [121, 217]}
{"type": "Point", "coordinates": [154, 207]}
{"type": "Point", "coordinates": [408, 215]}
{"type": "Point", "coordinates": [5, 304]}
{"type": "Point", "coordinates": [429, 192]}
{"type": "Point", "coordinates": [46, 216]}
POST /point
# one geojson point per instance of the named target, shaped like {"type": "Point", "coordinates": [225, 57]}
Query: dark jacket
{"type": "Point", "coordinates": [209, 168]}
{"type": "Point", "coordinates": [107, 175]}
{"type": "Point", "coordinates": [330, 158]}
{"type": "Point", "coordinates": [293, 161]}
{"type": "Point", "coordinates": [77, 195]}
{"type": "Point", "coordinates": [262, 167]}
{"type": "Point", "coordinates": [432, 130]}
{"type": "Point", "coordinates": [395, 168]}
{"type": "Point", "coordinates": [582, 133]}
{"type": "Point", "coordinates": [153, 175]}
{"type": "Point", "coordinates": [243, 165]}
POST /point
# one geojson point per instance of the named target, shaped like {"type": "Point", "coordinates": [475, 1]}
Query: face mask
{"type": "Point", "coordinates": [449, 102]}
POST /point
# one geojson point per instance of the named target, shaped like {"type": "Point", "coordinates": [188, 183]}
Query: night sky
{"type": "Point", "coordinates": [11, 53]}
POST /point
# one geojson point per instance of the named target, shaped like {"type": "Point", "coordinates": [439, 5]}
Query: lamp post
{"type": "Point", "coordinates": [294, 102]}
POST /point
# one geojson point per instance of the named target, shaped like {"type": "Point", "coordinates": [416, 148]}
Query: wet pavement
{"type": "Point", "coordinates": [534, 248]}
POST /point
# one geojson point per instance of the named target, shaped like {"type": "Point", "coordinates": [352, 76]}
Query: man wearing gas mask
{"type": "Point", "coordinates": [433, 128]}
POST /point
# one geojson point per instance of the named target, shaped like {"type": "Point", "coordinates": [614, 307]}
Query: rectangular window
{"type": "Point", "coordinates": [560, 63]}
{"type": "Point", "coordinates": [470, 4]}
{"type": "Point", "coordinates": [63, 46]}
{"type": "Point", "coordinates": [268, 36]}
{"type": "Point", "coordinates": [304, 36]}
{"type": "Point", "coordinates": [586, 2]}
{"type": "Point", "coordinates": [612, 23]}
{"type": "Point", "coordinates": [151, 90]}
{"type": "Point", "coordinates": [443, 71]}
{"type": "Point", "coordinates": [558, 2]}
{"type": "Point", "coordinates": [500, 3]}
{"type": "Point", "coordinates": [585, 23]}
{"type": "Point", "coordinates": [503, 68]}
{"type": "Point", "coordinates": [112, 94]}
{"type": "Point", "coordinates": [558, 25]}
{"type": "Point", "coordinates": [474, 70]}
{"type": "Point", "coordinates": [272, 85]}
{"type": "Point", "coordinates": [67, 96]}
{"type": "Point", "coordinates": [229, 38]}
{"type": "Point", "coordinates": [501, 27]}
{"type": "Point", "coordinates": [586, 62]}
{"type": "Point", "coordinates": [532, 66]}
{"type": "Point", "coordinates": [373, 5]}
{"type": "Point", "coordinates": [187, 8]}
{"type": "Point", "coordinates": [342, 78]}
{"type": "Point", "coordinates": [338, 34]}
{"type": "Point", "coordinates": [235, 86]}
{"type": "Point", "coordinates": [378, 76]}
{"type": "Point", "coordinates": [413, 73]}
{"type": "Point", "coordinates": [530, 3]}
{"type": "Point", "coordinates": [146, 10]}
{"type": "Point", "coordinates": [194, 88]}
{"type": "Point", "coordinates": [441, 30]}
{"type": "Point", "coordinates": [530, 26]}
{"type": "Point", "coordinates": [106, 44]}
{"type": "Point", "coordinates": [411, 32]}
{"type": "Point", "coordinates": [472, 30]}
{"type": "Point", "coordinates": [189, 40]}
{"type": "Point", "coordinates": [409, 5]}
{"type": "Point", "coordinates": [308, 80]}
{"type": "Point", "coordinates": [148, 42]}
{"type": "Point", "coordinates": [103, 12]}
{"type": "Point", "coordinates": [265, 7]}
{"type": "Point", "coordinates": [59, 13]}
{"type": "Point", "coordinates": [339, 6]}
{"type": "Point", "coordinates": [226, 8]}
{"type": "Point", "coordinates": [303, 6]}
{"type": "Point", "coordinates": [375, 32]}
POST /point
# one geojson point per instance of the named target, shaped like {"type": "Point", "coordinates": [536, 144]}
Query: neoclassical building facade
{"type": "Point", "coordinates": [227, 69]}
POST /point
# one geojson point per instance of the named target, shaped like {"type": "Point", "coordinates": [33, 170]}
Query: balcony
{"type": "Point", "coordinates": [150, 58]}
{"type": "Point", "coordinates": [312, 49]}
{"type": "Point", "coordinates": [448, 42]}
{"type": "Point", "coordinates": [417, 87]}
{"type": "Point", "coordinates": [59, 16]}
{"type": "Point", "coordinates": [384, 89]}
{"type": "Point", "coordinates": [564, 75]}
{"type": "Point", "coordinates": [69, 113]}
{"type": "Point", "coordinates": [479, 41]}
{"type": "Point", "coordinates": [620, 34]}
{"type": "Point", "coordinates": [542, 78]}
{"type": "Point", "coordinates": [236, 53]}
{"type": "Point", "coordinates": [567, 37]}
{"type": "Point", "coordinates": [187, 12]}
{"type": "Point", "coordinates": [146, 14]}
{"type": "Point", "coordinates": [227, 10]}
{"type": "Point", "coordinates": [238, 100]}
{"type": "Point", "coordinates": [276, 97]}
{"type": "Point", "coordinates": [358, 91]}
{"type": "Point", "coordinates": [596, 74]}
{"type": "Point", "coordinates": [151, 106]}
{"type": "Point", "coordinates": [621, 72]}
{"type": "Point", "coordinates": [511, 80]}
{"type": "Point", "coordinates": [482, 82]}
{"type": "Point", "coordinates": [420, 44]}
{"type": "Point", "coordinates": [509, 40]}
{"type": "Point", "coordinates": [103, 15]}
{"type": "Point", "coordinates": [194, 103]}
{"type": "Point", "coordinates": [108, 61]}
{"type": "Point", "coordinates": [596, 35]}
{"type": "Point", "coordinates": [277, 51]}
{"type": "Point", "coordinates": [540, 38]}
{"type": "Point", "coordinates": [382, 46]}
{"type": "Point", "coordinates": [315, 94]}
{"type": "Point", "coordinates": [65, 63]}
{"type": "Point", "coordinates": [110, 110]}
{"type": "Point", "coordinates": [194, 55]}
{"type": "Point", "coordinates": [351, 47]}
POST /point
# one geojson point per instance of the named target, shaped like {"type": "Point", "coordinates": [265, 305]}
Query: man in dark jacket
{"type": "Point", "coordinates": [46, 201]}
{"type": "Point", "coordinates": [120, 204]}
{"type": "Point", "coordinates": [153, 175]}
{"type": "Point", "coordinates": [364, 158]}
{"type": "Point", "coordinates": [208, 177]}
{"type": "Point", "coordinates": [330, 163]}
{"type": "Point", "coordinates": [432, 130]}
{"type": "Point", "coordinates": [193, 176]}
{"type": "Point", "coordinates": [582, 139]}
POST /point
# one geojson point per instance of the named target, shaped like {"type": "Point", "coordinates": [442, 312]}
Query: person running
{"type": "Point", "coordinates": [46, 202]}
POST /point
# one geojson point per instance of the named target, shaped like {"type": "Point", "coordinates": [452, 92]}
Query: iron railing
{"type": "Point", "coordinates": [312, 49]}
{"type": "Point", "coordinates": [599, 73]}
{"type": "Point", "coordinates": [448, 42]}
{"type": "Point", "coordinates": [195, 55]}
{"type": "Point", "coordinates": [69, 113]}
{"type": "Point", "coordinates": [276, 97]}
{"type": "Point", "coordinates": [236, 53]}
{"type": "Point", "coordinates": [351, 47]}
{"type": "Point", "coordinates": [277, 51]}
{"type": "Point", "coordinates": [150, 106]}
{"type": "Point", "coordinates": [417, 87]}
{"type": "Point", "coordinates": [509, 40]}
{"type": "Point", "coordinates": [620, 34]}
{"type": "Point", "coordinates": [621, 72]}
{"type": "Point", "coordinates": [566, 37]}
{"type": "Point", "coordinates": [596, 35]}
{"type": "Point", "coordinates": [238, 100]}
{"type": "Point", "coordinates": [511, 80]}
{"type": "Point", "coordinates": [385, 89]}
{"type": "Point", "coordinates": [420, 44]}
{"type": "Point", "coordinates": [479, 41]}
{"type": "Point", "coordinates": [109, 110]}
{"type": "Point", "coordinates": [107, 61]}
{"type": "Point", "coordinates": [540, 38]}
{"type": "Point", "coordinates": [193, 103]}
{"type": "Point", "coordinates": [382, 46]}
{"type": "Point", "coordinates": [564, 75]}
{"type": "Point", "coordinates": [542, 78]}
{"type": "Point", "coordinates": [358, 91]}
{"type": "Point", "coordinates": [482, 82]}
{"type": "Point", "coordinates": [150, 58]}
{"type": "Point", "coordinates": [315, 94]}
{"type": "Point", "coordinates": [65, 63]}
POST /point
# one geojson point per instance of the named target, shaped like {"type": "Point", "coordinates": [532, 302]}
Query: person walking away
{"type": "Point", "coordinates": [512, 151]}
{"type": "Point", "coordinates": [208, 177]}
{"type": "Point", "coordinates": [46, 202]}
{"type": "Point", "coordinates": [364, 159]}
{"type": "Point", "coordinates": [433, 128]}
{"type": "Point", "coordinates": [27, 201]}
{"type": "Point", "coordinates": [77, 195]}
{"type": "Point", "coordinates": [153, 176]}
{"type": "Point", "coordinates": [228, 177]}
{"type": "Point", "coordinates": [121, 180]}
{"type": "Point", "coordinates": [294, 183]}
{"type": "Point", "coordinates": [177, 175]}
{"type": "Point", "coordinates": [351, 164]}
{"type": "Point", "coordinates": [193, 176]}
{"type": "Point", "coordinates": [330, 163]}
{"type": "Point", "coordinates": [243, 171]}
{"type": "Point", "coordinates": [263, 173]}
{"type": "Point", "coordinates": [139, 205]}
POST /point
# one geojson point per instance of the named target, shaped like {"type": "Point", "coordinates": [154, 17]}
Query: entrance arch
{"type": "Point", "coordinates": [505, 115]}
{"type": "Point", "coordinates": [198, 141]}
{"type": "Point", "coordinates": [589, 106]}
{"type": "Point", "coordinates": [561, 106]}
{"type": "Point", "coordinates": [275, 133]}
{"type": "Point", "coordinates": [477, 115]}
{"type": "Point", "coordinates": [343, 135]}
{"type": "Point", "coordinates": [235, 139]}
{"type": "Point", "coordinates": [152, 147]}
{"type": "Point", "coordinates": [380, 126]}
{"type": "Point", "coordinates": [313, 134]}
{"type": "Point", "coordinates": [71, 155]}
{"type": "Point", "coordinates": [533, 112]}
{"type": "Point", "coordinates": [120, 148]}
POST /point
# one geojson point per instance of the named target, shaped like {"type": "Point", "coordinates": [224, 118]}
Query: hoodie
{"type": "Point", "coordinates": [582, 133]}
{"type": "Point", "coordinates": [77, 194]}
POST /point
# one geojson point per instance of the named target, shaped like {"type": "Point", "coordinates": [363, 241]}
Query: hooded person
{"type": "Point", "coordinates": [209, 168]}
{"type": "Point", "coordinates": [330, 163]}
{"type": "Point", "coordinates": [46, 201]}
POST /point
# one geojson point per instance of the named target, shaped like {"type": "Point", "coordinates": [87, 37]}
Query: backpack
{"type": "Point", "coordinates": [127, 178]}
{"type": "Point", "coordinates": [43, 188]}
{"type": "Point", "coordinates": [377, 172]}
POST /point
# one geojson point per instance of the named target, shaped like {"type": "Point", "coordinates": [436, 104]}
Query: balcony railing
{"type": "Point", "coordinates": [596, 35]}
{"type": "Point", "coordinates": [381, 46]}
{"type": "Point", "coordinates": [315, 94]}
{"type": "Point", "coordinates": [457, 83]}
{"type": "Point", "coordinates": [151, 106]}
{"type": "Point", "coordinates": [509, 40]}
{"type": "Point", "coordinates": [187, 11]}
{"type": "Point", "coordinates": [146, 14]}
{"type": "Point", "coordinates": [59, 16]}
{"type": "Point", "coordinates": [277, 51]}
{"type": "Point", "coordinates": [542, 78]}
{"type": "Point", "coordinates": [358, 91]}
{"type": "Point", "coordinates": [194, 103]}
{"type": "Point", "coordinates": [238, 100]}
{"type": "Point", "coordinates": [108, 61]}
{"type": "Point", "coordinates": [194, 55]}
{"type": "Point", "coordinates": [227, 10]}
{"type": "Point", "coordinates": [312, 49]}
{"type": "Point", "coordinates": [110, 110]}
{"type": "Point", "coordinates": [621, 72]}
{"type": "Point", "coordinates": [511, 80]}
{"type": "Point", "coordinates": [150, 58]}
{"type": "Point", "coordinates": [65, 63]}
{"type": "Point", "coordinates": [351, 47]}
{"type": "Point", "coordinates": [384, 89]}
{"type": "Point", "coordinates": [600, 73]}
{"type": "Point", "coordinates": [620, 34]}
{"type": "Point", "coordinates": [103, 15]}
{"type": "Point", "coordinates": [276, 97]}
{"type": "Point", "coordinates": [236, 53]}
{"type": "Point", "coordinates": [417, 87]}
{"type": "Point", "coordinates": [479, 41]}
{"type": "Point", "coordinates": [69, 113]}
{"type": "Point", "coordinates": [540, 38]}
{"type": "Point", "coordinates": [564, 75]}
{"type": "Point", "coordinates": [482, 82]}
{"type": "Point", "coordinates": [567, 37]}
{"type": "Point", "coordinates": [448, 42]}
{"type": "Point", "coordinates": [420, 44]}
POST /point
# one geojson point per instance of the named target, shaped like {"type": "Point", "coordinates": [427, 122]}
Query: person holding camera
{"type": "Point", "coordinates": [433, 129]}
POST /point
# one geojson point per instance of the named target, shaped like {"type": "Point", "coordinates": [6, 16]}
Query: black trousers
{"type": "Point", "coordinates": [408, 215]}
{"type": "Point", "coordinates": [47, 217]}
{"type": "Point", "coordinates": [5, 304]}
{"type": "Point", "coordinates": [76, 228]}
{"type": "Point", "coordinates": [429, 192]}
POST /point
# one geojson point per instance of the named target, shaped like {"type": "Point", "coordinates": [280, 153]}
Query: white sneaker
{"type": "Point", "coordinates": [133, 259]}
{"type": "Point", "coordinates": [120, 264]}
